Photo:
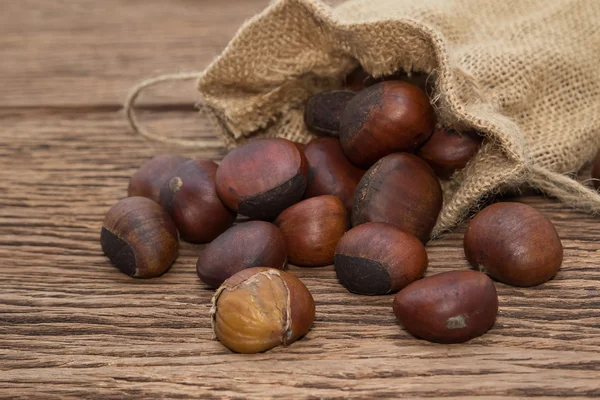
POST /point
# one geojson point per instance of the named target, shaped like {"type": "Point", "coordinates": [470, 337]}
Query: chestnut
{"type": "Point", "coordinates": [596, 171]}
{"type": "Point", "coordinates": [263, 178]}
{"type": "Point", "coordinates": [513, 243]}
{"type": "Point", "coordinates": [330, 171]}
{"type": "Point", "coordinates": [448, 151]}
{"type": "Point", "coordinates": [139, 237]}
{"type": "Point", "coordinates": [191, 199]}
{"type": "Point", "coordinates": [324, 110]}
{"type": "Point", "coordinates": [312, 229]}
{"type": "Point", "coordinates": [249, 244]}
{"type": "Point", "coordinates": [149, 179]}
{"type": "Point", "coordinates": [385, 118]}
{"type": "Point", "coordinates": [451, 307]}
{"type": "Point", "coordinates": [402, 190]}
{"type": "Point", "coordinates": [377, 258]}
{"type": "Point", "coordinates": [260, 308]}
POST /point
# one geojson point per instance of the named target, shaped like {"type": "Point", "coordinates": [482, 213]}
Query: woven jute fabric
{"type": "Point", "coordinates": [524, 73]}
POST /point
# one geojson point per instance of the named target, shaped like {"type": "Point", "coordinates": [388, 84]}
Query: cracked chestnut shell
{"type": "Point", "coordinates": [260, 308]}
{"type": "Point", "coordinates": [263, 178]}
{"type": "Point", "coordinates": [376, 258]}
{"type": "Point", "coordinates": [385, 118]}
{"type": "Point", "coordinates": [249, 244]}
{"type": "Point", "coordinates": [139, 237]}
{"type": "Point", "coordinates": [323, 111]}
{"type": "Point", "coordinates": [451, 307]}
{"type": "Point", "coordinates": [152, 175]}
{"type": "Point", "coordinates": [402, 190]}
{"type": "Point", "coordinates": [191, 199]}
{"type": "Point", "coordinates": [513, 243]}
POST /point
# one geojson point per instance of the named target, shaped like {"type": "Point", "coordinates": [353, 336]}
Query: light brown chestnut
{"type": "Point", "coordinates": [377, 258]}
{"type": "Point", "coordinates": [596, 171]}
{"type": "Point", "coordinates": [330, 171]}
{"type": "Point", "coordinates": [451, 307]}
{"type": "Point", "coordinates": [152, 175]}
{"type": "Point", "coordinates": [513, 243]}
{"type": "Point", "coordinates": [402, 190]}
{"type": "Point", "coordinates": [260, 308]}
{"type": "Point", "coordinates": [249, 244]}
{"type": "Point", "coordinates": [312, 229]}
{"type": "Point", "coordinates": [323, 111]}
{"type": "Point", "coordinates": [385, 118]}
{"type": "Point", "coordinates": [263, 178]}
{"type": "Point", "coordinates": [139, 237]}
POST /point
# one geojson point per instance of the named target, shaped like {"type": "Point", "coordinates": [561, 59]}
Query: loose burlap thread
{"type": "Point", "coordinates": [523, 73]}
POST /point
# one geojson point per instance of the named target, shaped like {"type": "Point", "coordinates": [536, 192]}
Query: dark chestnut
{"type": "Point", "coordinates": [312, 229]}
{"type": "Point", "coordinates": [385, 118]}
{"type": "Point", "coordinates": [263, 178]}
{"type": "Point", "coordinates": [513, 243]}
{"type": "Point", "coordinates": [377, 258]}
{"type": "Point", "coordinates": [324, 110]}
{"type": "Point", "coordinates": [191, 199]}
{"type": "Point", "coordinates": [448, 150]}
{"type": "Point", "coordinates": [139, 237]}
{"type": "Point", "coordinates": [330, 171]}
{"type": "Point", "coordinates": [400, 189]}
{"type": "Point", "coordinates": [596, 171]}
{"type": "Point", "coordinates": [247, 245]}
{"type": "Point", "coordinates": [149, 179]}
{"type": "Point", "coordinates": [451, 307]}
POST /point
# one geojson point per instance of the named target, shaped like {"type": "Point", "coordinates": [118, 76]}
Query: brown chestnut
{"type": "Point", "coordinates": [312, 229]}
{"type": "Point", "coordinates": [385, 118]}
{"type": "Point", "coordinates": [247, 245]}
{"type": "Point", "coordinates": [263, 178]}
{"type": "Point", "coordinates": [448, 150]}
{"type": "Point", "coordinates": [149, 179]}
{"type": "Point", "coordinates": [330, 171]}
{"type": "Point", "coordinates": [451, 307]}
{"type": "Point", "coordinates": [139, 237]}
{"type": "Point", "coordinates": [324, 110]}
{"type": "Point", "coordinates": [402, 190]}
{"type": "Point", "coordinates": [191, 199]}
{"type": "Point", "coordinates": [260, 308]}
{"type": "Point", "coordinates": [513, 243]}
{"type": "Point", "coordinates": [596, 171]}
{"type": "Point", "coordinates": [376, 258]}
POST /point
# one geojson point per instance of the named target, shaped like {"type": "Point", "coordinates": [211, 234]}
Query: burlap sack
{"type": "Point", "coordinates": [525, 73]}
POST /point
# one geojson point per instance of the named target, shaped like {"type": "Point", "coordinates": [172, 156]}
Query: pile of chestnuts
{"type": "Point", "coordinates": [364, 195]}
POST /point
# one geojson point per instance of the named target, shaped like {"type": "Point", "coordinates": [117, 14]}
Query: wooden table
{"type": "Point", "coordinates": [71, 325]}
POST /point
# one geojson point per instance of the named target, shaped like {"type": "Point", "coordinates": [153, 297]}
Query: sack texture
{"type": "Point", "coordinates": [526, 74]}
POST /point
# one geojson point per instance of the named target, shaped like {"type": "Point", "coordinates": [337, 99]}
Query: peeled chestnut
{"type": "Point", "coordinates": [330, 171]}
{"type": "Point", "coordinates": [451, 307]}
{"type": "Point", "coordinates": [260, 308]}
{"type": "Point", "coordinates": [139, 237]}
{"type": "Point", "coordinates": [149, 179]}
{"type": "Point", "coordinates": [263, 178]}
{"type": "Point", "coordinates": [385, 118]}
{"type": "Point", "coordinates": [312, 229]}
{"type": "Point", "coordinates": [376, 258]}
{"type": "Point", "coordinates": [596, 171]}
{"type": "Point", "coordinates": [402, 190]}
{"type": "Point", "coordinates": [324, 110]}
{"type": "Point", "coordinates": [448, 151]}
{"type": "Point", "coordinates": [513, 243]}
{"type": "Point", "coordinates": [247, 245]}
{"type": "Point", "coordinates": [191, 199]}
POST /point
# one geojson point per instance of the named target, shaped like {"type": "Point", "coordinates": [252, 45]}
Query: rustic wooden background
{"type": "Point", "coordinates": [71, 325]}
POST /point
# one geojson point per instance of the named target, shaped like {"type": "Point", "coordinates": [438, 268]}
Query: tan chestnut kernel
{"type": "Point", "coordinates": [260, 308]}
{"type": "Point", "coordinates": [191, 199]}
{"type": "Point", "coordinates": [448, 151]}
{"type": "Point", "coordinates": [139, 237]}
{"type": "Point", "coordinates": [330, 171]}
{"type": "Point", "coordinates": [324, 110]}
{"type": "Point", "coordinates": [385, 118]}
{"type": "Point", "coordinates": [376, 258]}
{"type": "Point", "coordinates": [451, 307]}
{"type": "Point", "coordinates": [402, 190]}
{"type": "Point", "coordinates": [247, 245]}
{"type": "Point", "coordinates": [312, 229]}
{"type": "Point", "coordinates": [596, 171]}
{"type": "Point", "coordinates": [513, 243]}
{"type": "Point", "coordinates": [152, 175]}
{"type": "Point", "coordinates": [263, 178]}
